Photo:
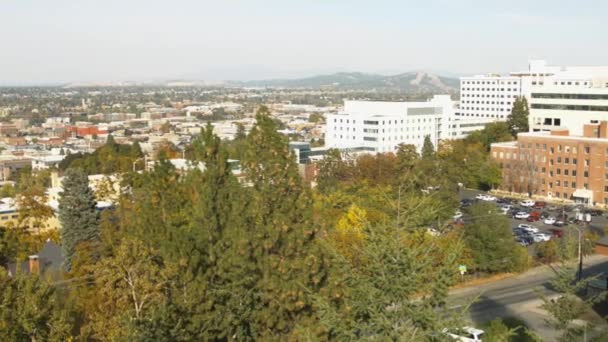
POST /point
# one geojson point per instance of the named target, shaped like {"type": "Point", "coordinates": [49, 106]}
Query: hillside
{"type": "Point", "coordinates": [411, 82]}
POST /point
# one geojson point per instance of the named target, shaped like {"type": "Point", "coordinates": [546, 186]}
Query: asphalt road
{"type": "Point", "coordinates": [518, 296]}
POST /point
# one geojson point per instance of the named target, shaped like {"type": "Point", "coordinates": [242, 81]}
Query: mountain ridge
{"type": "Point", "coordinates": [414, 81]}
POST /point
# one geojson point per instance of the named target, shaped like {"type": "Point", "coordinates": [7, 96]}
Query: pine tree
{"type": "Point", "coordinates": [77, 214]}
{"type": "Point", "coordinates": [428, 151]}
{"type": "Point", "coordinates": [518, 120]}
{"type": "Point", "coordinates": [278, 263]}
{"type": "Point", "coordinates": [31, 310]}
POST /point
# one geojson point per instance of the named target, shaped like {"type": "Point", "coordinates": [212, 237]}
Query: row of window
{"type": "Point", "coordinates": [488, 102]}
{"type": "Point", "coordinates": [486, 108]}
{"type": "Point", "coordinates": [481, 115]}
{"type": "Point", "coordinates": [570, 107]}
{"type": "Point", "coordinates": [490, 82]}
{"type": "Point", "coordinates": [390, 122]}
{"type": "Point", "coordinates": [396, 129]}
{"type": "Point", "coordinates": [570, 96]}
{"type": "Point", "coordinates": [389, 138]}
{"type": "Point", "coordinates": [484, 95]}
{"type": "Point", "coordinates": [560, 148]}
{"type": "Point", "coordinates": [489, 89]}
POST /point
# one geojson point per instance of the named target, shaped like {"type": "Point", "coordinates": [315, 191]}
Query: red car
{"type": "Point", "coordinates": [557, 232]}
{"type": "Point", "coordinates": [534, 216]}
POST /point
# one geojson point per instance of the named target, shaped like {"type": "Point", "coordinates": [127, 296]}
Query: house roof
{"type": "Point", "coordinates": [49, 257]}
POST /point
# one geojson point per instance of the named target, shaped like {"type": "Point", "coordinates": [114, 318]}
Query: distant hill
{"type": "Point", "coordinates": [411, 82]}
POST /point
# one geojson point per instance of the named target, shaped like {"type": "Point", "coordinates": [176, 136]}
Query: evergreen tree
{"type": "Point", "coordinates": [406, 157]}
{"type": "Point", "coordinates": [518, 120]}
{"type": "Point", "coordinates": [111, 142]}
{"type": "Point", "coordinates": [77, 214]}
{"type": "Point", "coordinates": [241, 133]}
{"type": "Point", "coordinates": [428, 151]}
{"type": "Point", "coordinates": [332, 171]}
{"type": "Point", "coordinates": [135, 151]}
{"type": "Point", "coordinates": [278, 263]}
{"type": "Point", "coordinates": [488, 236]}
{"type": "Point", "coordinates": [32, 310]}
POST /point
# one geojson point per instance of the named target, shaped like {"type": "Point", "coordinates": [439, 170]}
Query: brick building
{"type": "Point", "coordinates": [557, 165]}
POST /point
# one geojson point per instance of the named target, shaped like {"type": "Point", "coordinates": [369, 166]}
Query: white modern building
{"type": "Point", "coordinates": [574, 97]}
{"type": "Point", "coordinates": [381, 126]}
{"type": "Point", "coordinates": [567, 96]}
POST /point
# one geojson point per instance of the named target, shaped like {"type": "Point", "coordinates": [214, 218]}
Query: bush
{"type": "Point", "coordinates": [546, 252]}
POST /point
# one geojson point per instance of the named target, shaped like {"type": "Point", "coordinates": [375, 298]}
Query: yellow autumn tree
{"type": "Point", "coordinates": [349, 234]}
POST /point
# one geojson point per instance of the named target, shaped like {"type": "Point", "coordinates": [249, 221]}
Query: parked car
{"type": "Point", "coordinates": [595, 212]}
{"type": "Point", "coordinates": [552, 207]}
{"type": "Point", "coordinates": [480, 196]}
{"type": "Point", "coordinates": [559, 223]}
{"type": "Point", "coordinates": [527, 203]}
{"type": "Point", "coordinates": [534, 216]}
{"type": "Point", "coordinates": [557, 232]}
{"type": "Point", "coordinates": [528, 227]}
{"type": "Point", "coordinates": [524, 240]}
{"type": "Point", "coordinates": [541, 237]}
{"type": "Point", "coordinates": [519, 231]}
{"type": "Point", "coordinates": [539, 205]}
{"type": "Point", "coordinates": [521, 215]}
{"type": "Point", "coordinates": [544, 215]}
{"type": "Point", "coordinates": [550, 220]}
{"type": "Point", "coordinates": [457, 215]}
{"type": "Point", "coordinates": [465, 334]}
{"type": "Point", "coordinates": [466, 202]}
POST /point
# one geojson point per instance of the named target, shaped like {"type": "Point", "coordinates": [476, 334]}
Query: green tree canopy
{"type": "Point", "coordinates": [77, 214]}
{"type": "Point", "coordinates": [518, 120]}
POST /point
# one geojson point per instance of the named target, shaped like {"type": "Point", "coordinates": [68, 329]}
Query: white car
{"type": "Point", "coordinates": [521, 215]}
{"type": "Point", "coordinates": [528, 227]}
{"type": "Point", "coordinates": [481, 197]}
{"type": "Point", "coordinates": [490, 198]}
{"type": "Point", "coordinates": [466, 334]}
{"type": "Point", "coordinates": [550, 220]}
{"type": "Point", "coordinates": [540, 237]}
{"type": "Point", "coordinates": [457, 215]}
{"type": "Point", "coordinates": [527, 203]}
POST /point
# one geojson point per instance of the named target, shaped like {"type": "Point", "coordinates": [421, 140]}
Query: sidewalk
{"type": "Point", "coordinates": [533, 273]}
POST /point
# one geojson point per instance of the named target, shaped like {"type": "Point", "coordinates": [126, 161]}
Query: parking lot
{"type": "Point", "coordinates": [597, 224]}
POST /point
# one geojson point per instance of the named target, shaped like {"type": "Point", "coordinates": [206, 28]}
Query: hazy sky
{"type": "Point", "coordinates": [110, 40]}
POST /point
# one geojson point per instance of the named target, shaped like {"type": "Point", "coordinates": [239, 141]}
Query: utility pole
{"type": "Point", "coordinates": [580, 255]}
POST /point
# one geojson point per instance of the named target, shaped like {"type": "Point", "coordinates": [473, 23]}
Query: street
{"type": "Point", "coordinates": [519, 296]}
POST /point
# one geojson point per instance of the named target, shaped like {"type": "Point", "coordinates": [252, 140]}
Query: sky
{"type": "Point", "coordinates": [58, 41]}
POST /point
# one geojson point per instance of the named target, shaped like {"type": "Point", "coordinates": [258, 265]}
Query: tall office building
{"type": "Point", "coordinates": [558, 96]}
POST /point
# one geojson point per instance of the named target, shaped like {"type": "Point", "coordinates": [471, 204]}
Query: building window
{"type": "Point", "coordinates": [574, 161]}
{"type": "Point", "coordinates": [586, 162]}
{"type": "Point", "coordinates": [573, 185]}
{"type": "Point", "coordinates": [573, 173]}
{"type": "Point", "coordinates": [559, 160]}
{"type": "Point", "coordinates": [587, 149]}
{"type": "Point", "coordinates": [566, 160]}
{"type": "Point", "coordinates": [586, 174]}
{"type": "Point", "coordinates": [559, 171]}
{"type": "Point", "coordinates": [605, 188]}
{"type": "Point", "coordinates": [565, 184]}
{"type": "Point", "coordinates": [557, 183]}
{"type": "Point", "coordinates": [566, 172]}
